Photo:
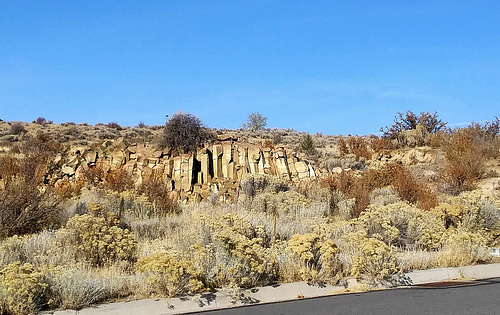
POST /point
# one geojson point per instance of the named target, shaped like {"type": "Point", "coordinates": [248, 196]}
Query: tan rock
{"type": "Point", "coordinates": [68, 170]}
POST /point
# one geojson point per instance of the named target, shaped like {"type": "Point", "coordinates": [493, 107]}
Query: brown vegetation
{"type": "Point", "coordinates": [106, 236]}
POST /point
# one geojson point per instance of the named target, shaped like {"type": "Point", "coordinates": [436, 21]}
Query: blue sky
{"type": "Point", "coordinates": [336, 67]}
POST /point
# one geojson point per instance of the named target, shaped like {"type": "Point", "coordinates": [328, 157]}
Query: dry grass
{"type": "Point", "coordinates": [367, 224]}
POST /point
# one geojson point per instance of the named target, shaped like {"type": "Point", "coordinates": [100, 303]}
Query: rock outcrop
{"type": "Point", "coordinates": [217, 167]}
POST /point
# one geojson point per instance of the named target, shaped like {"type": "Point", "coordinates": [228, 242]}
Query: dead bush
{"type": "Point", "coordinates": [465, 161]}
{"type": "Point", "coordinates": [404, 182]}
{"type": "Point", "coordinates": [350, 186]}
{"type": "Point", "coordinates": [118, 180]}
{"type": "Point", "coordinates": [437, 139]}
{"type": "Point", "coordinates": [359, 147]}
{"type": "Point", "coordinates": [114, 125]}
{"type": "Point", "coordinates": [95, 175]}
{"type": "Point", "coordinates": [343, 149]}
{"type": "Point", "coordinates": [17, 129]}
{"type": "Point", "coordinates": [485, 136]}
{"type": "Point", "coordinates": [380, 145]}
{"type": "Point", "coordinates": [25, 208]}
{"type": "Point", "coordinates": [156, 189]}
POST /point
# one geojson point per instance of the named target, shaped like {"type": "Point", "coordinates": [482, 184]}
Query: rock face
{"type": "Point", "coordinates": [217, 167]}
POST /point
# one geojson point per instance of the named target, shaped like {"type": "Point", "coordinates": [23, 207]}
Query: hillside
{"type": "Point", "coordinates": [98, 213]}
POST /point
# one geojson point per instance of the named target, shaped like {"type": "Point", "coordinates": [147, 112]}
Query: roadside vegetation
{"type": "Point", "coordinates": [372, 216]}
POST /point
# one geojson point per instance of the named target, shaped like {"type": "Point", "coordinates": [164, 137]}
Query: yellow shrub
{"type": "Point", "coordinates": [100, 240]}
{"type": "Point", "coordinates": [170, 274]}
{"type": "Point", "coordinates": [402, 224]}
{"type": "Point", "coordinates": [451, 214]}
{"type": "Point", "coordinates": [373, 259]}
{"type": "Point", "coordinates": [247, 260]}
{"type": "Point", "coordinates": [477, 213]}
{"type": "Point", "coordinates": [463, 248]}
{"type": "Point", "coordinates": [22, 288]}
{"type": "Point", "coordinates": [316, 254]}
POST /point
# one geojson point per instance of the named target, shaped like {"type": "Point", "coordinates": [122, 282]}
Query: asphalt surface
{"type": "Point", "coordinates": [482, 297]}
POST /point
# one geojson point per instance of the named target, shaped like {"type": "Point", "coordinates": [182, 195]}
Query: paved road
{"type": "Point", "coordinates": [481, 298]}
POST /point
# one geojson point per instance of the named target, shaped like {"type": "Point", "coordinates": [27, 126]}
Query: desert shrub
{"type": "Point", "coordinates": [41, 147]}
{"type": "Point", "coordinates": [384, 196]}
{"type": "Point", "coordinates": [22, 289]}
{"type": "Point", "coordinates": [350, 186]}
{"type": "Point", "coordinates": [404, 182]}
{"type": "Point", "coordinates": [9, 166]}
{"type": "Point", "coordinates": [253, 184]}
{"type": "Point", "coordinates": [471, 212]}
{"type": "Point", "coordinates": [429, 123]}
{"type": "Point", "coordinates": [316, 254]}
{"type": "Point", "coordinates": [380, 145]}
{"type": "Point", "coordinates": [372, 260]}
{"type": "Point", "coordinates": [114, 125]}
{"type": "Point", "coordinates": [12, 249]}
{"type": "Point", "coordinates": [141, 124]}
{"type": "Point", "coordinates": [286, 202]}
{"type": "Point", "coordinates": [17, 129]}
{"type": "Point", "coordinates": [255, 122]}
{"type": "Point", "coordinates": [437, 139]}
{"type": "Point", "coordinates": [24, 208]}
{"type": "Point", "coordinates": [343, 149]}
{"type": "Point", "coordinates": [403, 225]}
{"type": "Point", "coordinates": [358, 146]}
{"type": "Point", "coordinates": [98, 238]}
{"type": "Point", "coordinates": [156, 189]}
{"type": "Point", "coordinates": [256, 183]}
{"type": "Point", "coordinates": [450, 214]}
{"type": "Point", "coordinates": [245, 257]}
{"type": "Point", "coordinates": [75, 289]}
{"type": "Point", "coordinates": [465, 162]}
{"type": "Point", "coordinates": [485, 136]}
{"type": "Point", "coordinates": [277, 138]}
{"type": "Point", "coordinates": [41, 121]}
{"type": "Point", "coordinates": [485, 215]}
{"type": "Point", "coordinates": [170, 274]}
{"type": "Point", "coordinates": [480, 212]}
{"type": "Point", "coordinates": [119, 180]}
{"type": "Point", "coordinates": [95, 174]}
{"type": "Point", "coordinates": [463, 248]}
{"type": "Point", "coordinates": [185, 132]}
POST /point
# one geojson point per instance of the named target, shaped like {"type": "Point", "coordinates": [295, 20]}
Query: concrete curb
{"type": "Point", "coordinates": [277, 293]}
{"type": "Point", "coordinates": [444, 274]}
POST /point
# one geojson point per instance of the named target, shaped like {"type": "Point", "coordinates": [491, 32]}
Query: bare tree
{"type": "Point", "coordinates": [255, 122]}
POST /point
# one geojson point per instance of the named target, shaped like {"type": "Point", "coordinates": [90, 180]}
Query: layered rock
{"type": "Point", "coordinates": [217, 167]}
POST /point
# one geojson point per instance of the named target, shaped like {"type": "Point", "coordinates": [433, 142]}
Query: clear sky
{"type": "Point", "coordinates": [335, 67]}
